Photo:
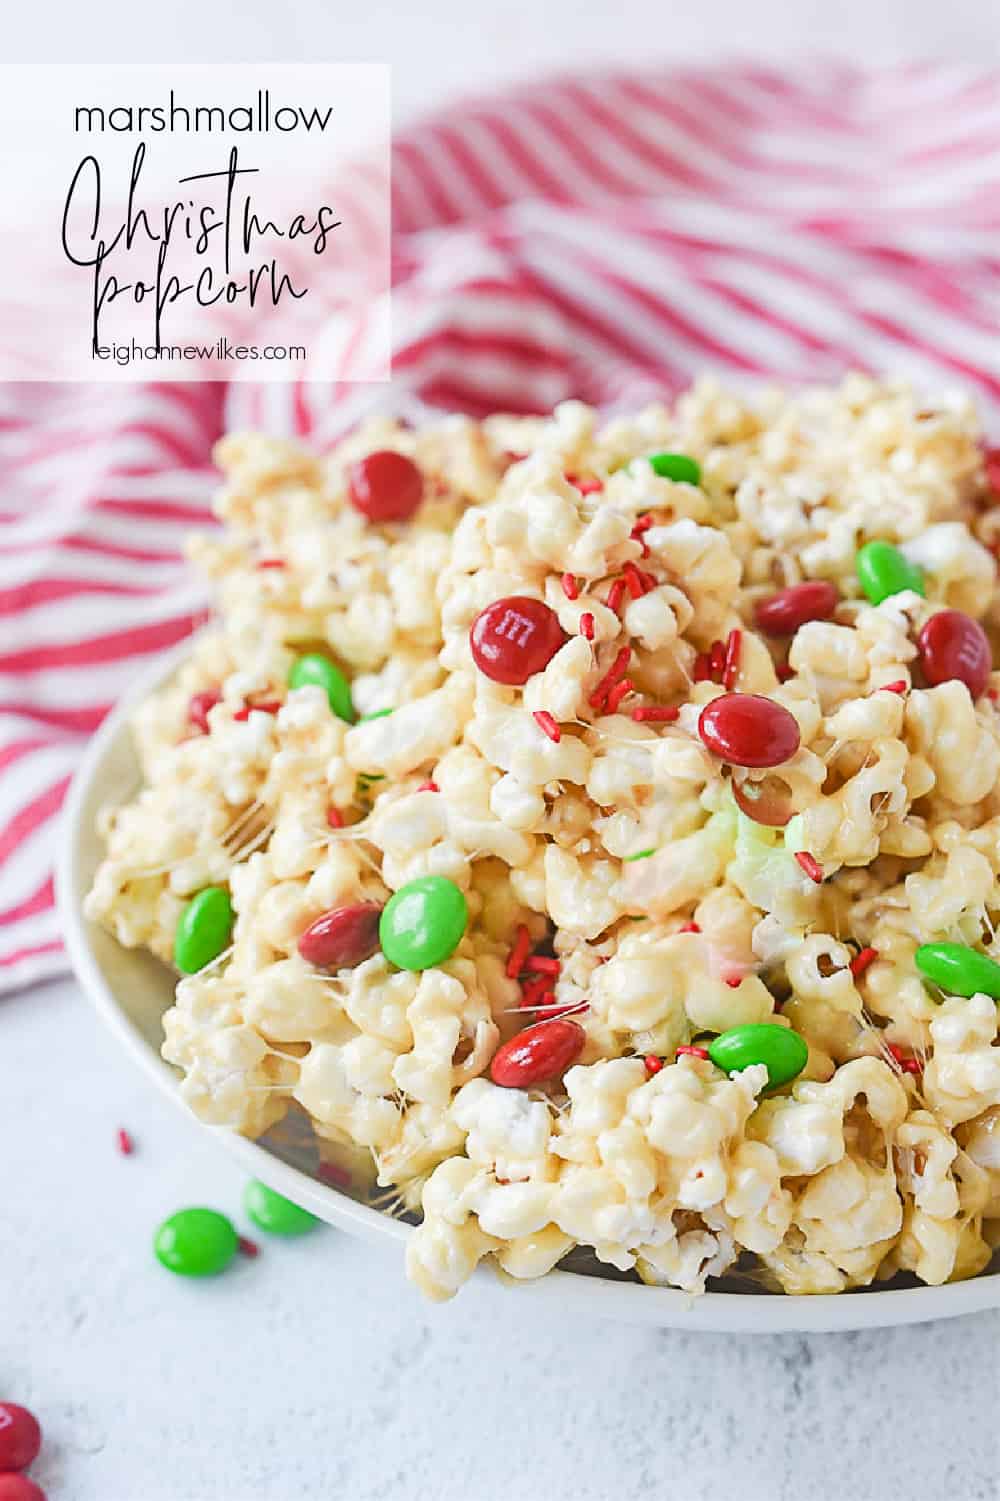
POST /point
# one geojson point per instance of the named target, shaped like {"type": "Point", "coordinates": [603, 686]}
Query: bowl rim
{"type": "Point", "coordinates": [629, 1302]}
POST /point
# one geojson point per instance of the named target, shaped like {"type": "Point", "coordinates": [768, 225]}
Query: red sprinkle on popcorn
{"type": "Point", "coordinates": [702, 670]}
{"type": "Point", "coordinates": [271, 563]}
{"type": "Point", "coordinates": [899, 686]}
{"type": "Point", "coordinates": [547, 725]}
{"type": "Point", "coordinates": [734, 981]}
{"type": "Point", "coordinates": [570, 587]}
{"type": "Point", "coordinates": [587, 484]}
{"type": "Point", "coordinates": [587, 626]}
{"type": "Point", "coordinates": [615, 595]}
{"type": "Point", "coordinates": [541, 964]}
{"type": "Point", "coordinates": [617, 670]}
{"type": "Point", "coordinates": [519, 952]}
{"type": "Point", "coordinates": [653, 1064]}
{"type": "Point", "coordinates": [334, 818]}
{"type": "Point", "coordinates": [810, 865]}
{"type": "Point", "coordinates": [862, 960]}
{"type": "Point", "coordinates": [717, 659]}
{"type": "Point", "coordinates": [635, 581]}
{"type": "Point", "coordinates": [731, 665]}
{"type": "Point", "coordinates": [783, 672]}
{"type": "Point", "coordinates": [618, 692]}
{"type": "Point", "coordinates": [428, 787]}
{"type": "Point", "coordinates": [656, 714]}
{"type": "Point", "coordinates": [689, 927]}
{"type": "Point", "coordinates": [692, 1051]}
{"type": "Point", "coordinates": [270, 706]}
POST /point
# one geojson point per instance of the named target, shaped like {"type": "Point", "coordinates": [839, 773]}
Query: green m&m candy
{"type": "Point", "coordinates": [423, 923]}
{"type": "Point", "coordinates": [782, 1051]}
{"type": "Point", "coordinates": [883, 571]}
{"type": "Point", "coordinates": [676, 466]}
{"type": "Point", "coordinates": [274, 1213]}
{"type": "Point", "coordinates": [196, 1243]}
{"type": "Point", "coordinates": [958, 969]}
{"type": "Point", "coordinates": [203, 930]}
{"type": "Point", "coordinates": [313, 669]}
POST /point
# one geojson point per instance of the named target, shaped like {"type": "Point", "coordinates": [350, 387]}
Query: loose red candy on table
{"type": "Point", "coordinates": [515, 637]}
{"type": "Point", "coordinates": [385, 486]}
{"type": "Point", "coordinates": [781, 614]}
{"type": "Point", "coordinates": [20, 1436]}
{"type": "Point", "coordinates": [953, 645]}
{"type": "Point", "coordinates": [20, 1488]}
{"type": "Point", "coordinates": [538, 1053]}
{"type": "Point", "coordinates": [746, 729]}
{"type": "Point", "coordinates": [343, 937]}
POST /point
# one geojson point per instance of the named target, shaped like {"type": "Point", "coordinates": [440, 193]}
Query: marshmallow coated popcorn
{"type": "Point", "coordinates": [662, 913]}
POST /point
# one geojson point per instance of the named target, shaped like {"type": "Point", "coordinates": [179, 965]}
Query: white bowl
{"type": "Point", "coordinates": [131, 990]}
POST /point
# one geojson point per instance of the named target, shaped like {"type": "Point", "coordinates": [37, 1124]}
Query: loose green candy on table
{"type": "Point", "coordinates": [203, 930]}
{"type": "Point", "coordinates": [423, 923]}
{"type": "Point", "coordinates": [315, 670]}
{"type": "Point", "coordinates": [676, 466]}
{"type": "Point", "coordinates": [959, 970]}
{"type": "Point", "coordinates": [274, 1213]}
{"type": "Point", "coordinates": [196, 1243]}
{"type": "Point", "coordinates": [783, 1051]}
{"type": "Point", "coordinates": [883, 571]}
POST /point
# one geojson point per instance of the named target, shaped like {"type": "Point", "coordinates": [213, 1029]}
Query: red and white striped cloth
{"type": "Point", "coordinates": [605, 237]}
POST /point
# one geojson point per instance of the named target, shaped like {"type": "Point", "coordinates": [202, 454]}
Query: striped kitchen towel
{"type": "Point", "coordinates": [606, 237]}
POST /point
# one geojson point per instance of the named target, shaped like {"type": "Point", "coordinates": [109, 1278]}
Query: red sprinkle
{"type": "Point", "coordinates": [907, 1062]}
{"type": "Point", "coordinates": [271, 706]}
{"type": "Point", "coordinates": [656, 714]}
{"type": "Point", "coordinates": [586, 484]}
{"type": "Point", "coordinates": [587, 626]}
{"type": "Point", "coordinates": [689, 927]}
{"type": "Point", "coordinates": [734, 981]}
{"type": "Point", "coordinates": [519, 952]}
{"type": "Point", "coordinates": [615, 595]}
{"type": "Point", "coordinates": [248, 1247]}
{"type": "Point", "coordinates": [862, 960]}
{"type": "Point", "coordinates": [991, 463]}
{"type": "Point", "coordinates": [428, 787]}
{"type": "Point", "coordinates": [717, 658]}
{"type": "Point", "coordinates": [731, 666]}
{"type": "Point", "coordinates": [330, 1172]}
{"type": "Point", "coordinates": [635, 581]}
{"type": "Point", "coordinates": [702, 670]}
{"type": "Point", "coordinates": [912, 1066]}
{"type": "Point", "coordinates": [783, 672]}
{"type": "Point", "coordinates": [125, 1143]}
{"type": "Point", "coordinates": [334, 818]}
{"type": "Point", "coordinates": [811, 866]}
{"type": "Point", "coordinates": [533, 993]}
{"type": "Point", "coordinates": [199, 706]}
{"type": "Point", "coordinates": [692, 1051]}
{"type": "Point", "coordinates": [570, 586]}
{"type": "Point", "coordinates": [643, 523]}
{"type": "Point", "coordinates": [271, 563]}
{"type": "Point", "coordinates": [547, 724]}
{"type": "Point", "coordinates": [617, 670]}
{"type": "Point", "coordinates": [543, 965]}
{"type": "Point", "coordinates": [899, 686]}
{"type": "Point", "coordinates": [653, 1064]}
{"type": "Point", "coordinates": [619, 691]}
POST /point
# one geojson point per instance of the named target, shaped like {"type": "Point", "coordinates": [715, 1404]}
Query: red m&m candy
{"type": "Point", "coordinates": [538, 1053]}
{"type": "Point", "coordinates": [953, 645]}
{"type": "Point", "coordinates": [385, 486]}
{"type": "Point", "coordinates": [515, 637]}
{"type": "Point", "coordinates": [20, 1436]}
{"type": "Point", "coordinates": [781, 614]}
{"type": "Point", "coordinates": [746, 729]}
{"type": "Point", "coordinates": [20, 1488]}
{"type": "Point", "coordinates": [343, 937]}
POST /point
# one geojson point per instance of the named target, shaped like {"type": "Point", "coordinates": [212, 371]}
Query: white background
{"type": "Point", "coordinates": [314, 1372]}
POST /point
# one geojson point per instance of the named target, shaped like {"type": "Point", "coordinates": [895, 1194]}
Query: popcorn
{"type": "Point", "coordinates": [650, 902]}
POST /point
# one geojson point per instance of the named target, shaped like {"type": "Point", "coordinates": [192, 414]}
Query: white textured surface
{"type": "Point", "coordinates": [315, 1373]}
